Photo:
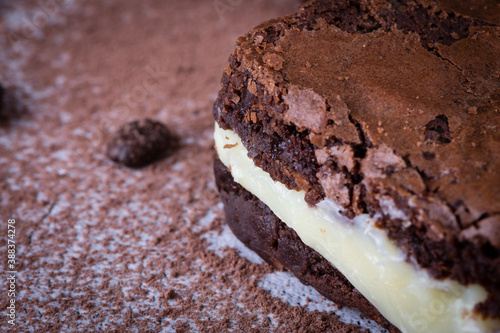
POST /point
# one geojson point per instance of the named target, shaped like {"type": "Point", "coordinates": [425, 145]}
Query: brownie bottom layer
{"type": "Point", "coordinates": [262, 231]}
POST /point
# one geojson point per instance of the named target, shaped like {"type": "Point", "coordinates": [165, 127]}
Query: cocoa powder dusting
{"type": "Point", "coordinates": [100, 247]}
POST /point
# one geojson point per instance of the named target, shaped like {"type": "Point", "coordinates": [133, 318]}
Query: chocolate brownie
{"type": "Point", "coordinates": [262, 231]}
{"type": "Point", "coordinates": [388, 109]}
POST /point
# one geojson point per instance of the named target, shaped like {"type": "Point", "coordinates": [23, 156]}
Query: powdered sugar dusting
{"type": "Point", "coordinates": [221, 240]}
{"type": "Point", "coordinates": [289, 289]}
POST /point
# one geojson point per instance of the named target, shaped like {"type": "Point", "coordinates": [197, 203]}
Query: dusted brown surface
{"type": "Point", "coordinates": [101, 246]}
{"type": "Point", "coordinates": [262, 231]}
{"type": "Point", "coordinates": [403, 123]}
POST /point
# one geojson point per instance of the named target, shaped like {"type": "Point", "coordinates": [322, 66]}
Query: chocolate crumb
{"type": "Point", "coordinates": [229, 146]}
{"type": "Point", "coordinates": [273, 60]}
{"type": "Point", "coordinates": [438, 130]}
{"type": "Point", "coordinates": [171, 294]}
{"type": "Point", "coordinates": [140, 143]}
{"type": "Point", "coordinates": [428, 155]}
{"type": "Point", "coordinates": [473, 110]}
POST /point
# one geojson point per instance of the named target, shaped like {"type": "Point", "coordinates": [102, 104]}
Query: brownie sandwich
{"type": "Point", "coordinates": [358, 146]}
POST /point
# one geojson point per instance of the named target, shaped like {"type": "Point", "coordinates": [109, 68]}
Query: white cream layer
{"type": "Point", "coordinates": [408, 297]}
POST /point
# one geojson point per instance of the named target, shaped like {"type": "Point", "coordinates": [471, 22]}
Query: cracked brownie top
{"type": "Point", "coordinates": [388, 108]}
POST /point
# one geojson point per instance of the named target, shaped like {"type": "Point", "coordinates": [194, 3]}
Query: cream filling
{"type": "Point", "coordinates": [407, 296]}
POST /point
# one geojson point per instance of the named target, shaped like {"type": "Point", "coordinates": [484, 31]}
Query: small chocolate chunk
{"type": "Point", "coordinates": [171, 294]}
{"type": "Point", "coordinates": [428, 155]}
{"type": "Point", "coordinates": [140, 142]}
{"type": "Point", "coordinates": [438, 130]}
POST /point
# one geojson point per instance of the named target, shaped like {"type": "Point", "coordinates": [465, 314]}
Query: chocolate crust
{"type": "Point", "coordinates": [262, 231]}
{"type": "Point", "coordinates": [426, 166]}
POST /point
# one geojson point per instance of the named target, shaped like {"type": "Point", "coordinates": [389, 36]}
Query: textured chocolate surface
{"type": "Point", "coordinates": [403, 122]}
{"type": "Point", "coordinates": [140, 142]}
{"type": "Point", "coordinates": [262, 231]}
{"type": "Point", "coordinates": [102, 247]}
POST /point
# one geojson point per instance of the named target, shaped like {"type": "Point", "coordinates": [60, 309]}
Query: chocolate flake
{"type": "Point", "coordinates": [438, 130]}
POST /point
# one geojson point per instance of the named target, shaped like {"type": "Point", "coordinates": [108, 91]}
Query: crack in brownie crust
{"type": "Point", "coordinates": [426, 166]}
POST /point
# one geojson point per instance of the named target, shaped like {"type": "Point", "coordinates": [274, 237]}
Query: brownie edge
{"type": "Point", "coordinates": [263, 232]}
{"type": "Point", "coordinates": [320, 104]}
